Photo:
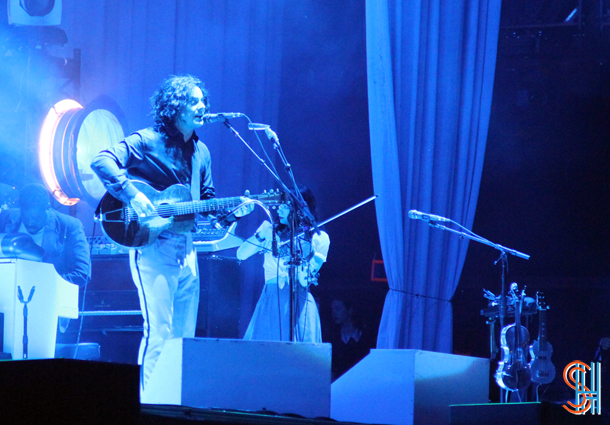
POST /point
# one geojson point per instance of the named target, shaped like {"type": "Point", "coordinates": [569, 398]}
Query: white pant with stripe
{"type": "Point", "coordinates": [167, 277]}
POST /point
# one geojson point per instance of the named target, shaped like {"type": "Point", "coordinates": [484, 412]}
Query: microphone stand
{"type": "Point", "coordinates": [298, 205]}
{"type": "Point", "coordinates": [261, 160]}
{"type": "Point", "coordinates": [503, 258]}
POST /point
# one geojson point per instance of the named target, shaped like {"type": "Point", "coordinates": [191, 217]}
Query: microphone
{"type": "Point", "coordinates": [417, 215]}
{"type": "Point", "coordinates": [256, 126]}
{"type": "Point", "coordinates": [271, 135]}
{"type": "Point", "coordinates": [221, 116]}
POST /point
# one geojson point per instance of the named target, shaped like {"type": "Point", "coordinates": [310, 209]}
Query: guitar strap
{"type": "Point", "coordinates": [196, 175]}
{"type": "Point", "coordinates": [195, 195]}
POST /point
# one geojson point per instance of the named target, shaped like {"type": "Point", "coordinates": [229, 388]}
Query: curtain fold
{"type": "Point", "coordinates": [430, 78]}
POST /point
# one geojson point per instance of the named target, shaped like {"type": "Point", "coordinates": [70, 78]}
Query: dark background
{"type": "Point", "coordinates": [545, 185]}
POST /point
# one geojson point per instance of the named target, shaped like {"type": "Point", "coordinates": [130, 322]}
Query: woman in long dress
{"type": "Point", "coordinates": [271, 318]}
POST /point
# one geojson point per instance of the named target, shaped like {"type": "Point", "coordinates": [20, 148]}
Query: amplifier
{"type": "Point", "coordinates": [112, 317]}
{"type": "Point", "coordinates": [111, 299]}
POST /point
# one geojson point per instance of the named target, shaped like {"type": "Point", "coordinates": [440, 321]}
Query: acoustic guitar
{"type": "Point", "coordinates": [541, 367]}
{"type": "Point", "coordinates": [174, 210]}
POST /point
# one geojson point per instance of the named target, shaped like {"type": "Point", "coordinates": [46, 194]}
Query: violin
{"type": "Point", "coordinates": [541, 367]}
{"type": "Point", "coordinates": [513, 373]}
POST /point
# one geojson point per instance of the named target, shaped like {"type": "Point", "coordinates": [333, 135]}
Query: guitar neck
{"type": "Point", "coordinates": [209, 205]}
{"type": "Point", "coordinates": [518, 324]}
{"type": "Point", "coordinates": [542, 337]}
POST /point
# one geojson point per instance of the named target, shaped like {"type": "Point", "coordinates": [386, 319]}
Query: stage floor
{"type": "Point", "coordinates": [154, 414]}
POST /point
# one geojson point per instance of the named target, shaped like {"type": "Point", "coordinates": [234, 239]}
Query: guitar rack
{"type": "Point", "coordinates": [539, 362]}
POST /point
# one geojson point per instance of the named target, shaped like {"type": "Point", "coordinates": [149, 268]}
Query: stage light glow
{"type": "Point", "coordinates": [46, 148]}
{"type": "Point", "coordinates": [70, 137]}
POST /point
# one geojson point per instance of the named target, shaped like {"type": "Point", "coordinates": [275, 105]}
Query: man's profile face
{"type": "Point", "coordinates": [34, 219]}
{"type": "Point", "coordinates": [191, 116]}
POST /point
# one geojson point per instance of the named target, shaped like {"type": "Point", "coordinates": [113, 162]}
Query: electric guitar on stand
{"type": "Point", "coordinates": [174, 210]}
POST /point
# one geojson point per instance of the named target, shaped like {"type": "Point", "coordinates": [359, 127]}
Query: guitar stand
{"type": "Point", "coordinates": [25, 318]}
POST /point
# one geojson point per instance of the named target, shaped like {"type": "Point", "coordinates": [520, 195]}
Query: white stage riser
{"type": "Point", "coordinates": [408, 387]}
{"type": "Point", "coordinates": [53, 297]}
{"type": "Point", "coordinates": [282, 377]}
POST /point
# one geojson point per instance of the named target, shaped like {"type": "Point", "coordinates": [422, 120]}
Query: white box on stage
{"type": "Point", "coordinates": [408, 387]}
{"type": "Point", "coordinates": [282, 377]}
{"type": "Point", "coordinates": [52, 297]}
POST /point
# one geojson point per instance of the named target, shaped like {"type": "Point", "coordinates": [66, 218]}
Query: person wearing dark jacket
{"type": "Point", "coordinates": [62, 237]}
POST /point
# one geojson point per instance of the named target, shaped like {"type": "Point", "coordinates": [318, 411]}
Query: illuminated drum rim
{"type": "Point", "coordinates": [68, 142]}
{"type": "Point", "coordinates": [67, 108]}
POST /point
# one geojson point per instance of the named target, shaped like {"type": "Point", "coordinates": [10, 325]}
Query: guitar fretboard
{"type": "Point", "coordinates": [189, 207]}
{"type": "Point", "coordinates": [542, 326]}
{"type": "Point", "coordinates": [206, 206]}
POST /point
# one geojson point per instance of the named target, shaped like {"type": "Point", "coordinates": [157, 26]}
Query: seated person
{"type": "Point", "coordinates": [62, 237]}
{"type": "Point", "coordinates": [351, 342]}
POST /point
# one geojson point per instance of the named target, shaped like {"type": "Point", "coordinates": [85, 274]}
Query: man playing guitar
{"type": "Point", "coordinates": [165, 272]}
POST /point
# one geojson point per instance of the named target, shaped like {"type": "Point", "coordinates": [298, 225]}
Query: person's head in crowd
{"type": "Point", "coordinates": [342, 311]}
{"type": "Point", "coordinates": [34, 201]}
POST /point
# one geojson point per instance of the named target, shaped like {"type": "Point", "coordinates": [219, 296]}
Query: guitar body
{"type": "Point", "coordinates": [175, 210]}
{"type": "Point", "coordinates": [541, 367]}
{"type": "Point", "coordinates": [512, 373]}
{"type": "Point", "coordinates": [124, 228]}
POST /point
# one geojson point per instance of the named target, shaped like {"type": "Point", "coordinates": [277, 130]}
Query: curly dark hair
{"type": "Point", "coordinates": [171, 97]}
{"type": "Point", "coordinates": [34, 196]}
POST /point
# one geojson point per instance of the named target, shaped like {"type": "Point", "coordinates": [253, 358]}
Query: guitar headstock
{"type": "Point", "coordinates": [540, 301]}
{"type": "Point", "coordinates": [271, 198]}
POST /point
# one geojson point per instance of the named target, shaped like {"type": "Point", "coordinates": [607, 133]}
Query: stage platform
{"type": "Point", "coordinates": [78, 392]}
{"type": "Point", "coordinates": [397, 387]}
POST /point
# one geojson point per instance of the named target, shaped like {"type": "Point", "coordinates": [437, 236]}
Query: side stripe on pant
{"type": "Point", "coordinates": [145, 314]}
